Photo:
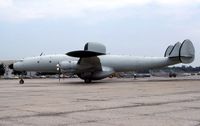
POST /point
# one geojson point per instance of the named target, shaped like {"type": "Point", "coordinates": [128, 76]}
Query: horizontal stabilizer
{"type": "Point", "coordinates": [184, 51]}
{"type": "Point", "coordinates": [91, 49]}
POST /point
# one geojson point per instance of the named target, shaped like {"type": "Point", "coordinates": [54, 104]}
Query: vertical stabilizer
{"type": "Point", "coordinates": [184, 52]}
{"type": "Point", "coordinates": [175, 50]}
{"type": "Point", "coordinates": [168, 51]}
{"type": "Point", "coordinates": [187, 52]}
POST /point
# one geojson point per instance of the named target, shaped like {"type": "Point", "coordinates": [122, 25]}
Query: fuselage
{"type": "Point", "coordinates": [46, 63]}
{"type": "Point", "coordinates": [118, 63]}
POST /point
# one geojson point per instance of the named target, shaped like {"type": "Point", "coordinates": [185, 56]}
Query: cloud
{"type": "Point", "coordinates": [53, 8]}
{"type": "Point", "coordinates": [5, 3]}
{"type": "Point", "coordinates": [16, 10]}
{"type": "Point", "coordinates": [177, 2]}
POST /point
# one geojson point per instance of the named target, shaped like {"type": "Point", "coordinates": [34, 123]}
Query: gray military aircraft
{"type": "Point", "coordinates": [93, 63]}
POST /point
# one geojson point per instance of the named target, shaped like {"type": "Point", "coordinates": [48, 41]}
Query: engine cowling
{"type": "Point", "coordinates": [106, 72]}
{"type": "Point", "coordinates": [68, 66]}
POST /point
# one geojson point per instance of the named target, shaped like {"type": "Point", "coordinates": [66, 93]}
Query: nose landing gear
{"type": "Point", "coordinates": [21, 75]}
{"type": "Point", "coordinates": [21, 81]}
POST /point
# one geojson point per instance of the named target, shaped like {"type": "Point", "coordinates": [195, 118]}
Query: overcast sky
{"type": "Point", "coordinates": [136, 27]}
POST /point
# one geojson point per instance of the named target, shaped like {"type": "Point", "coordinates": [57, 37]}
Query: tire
{"type": "Point", "coordinates": [21, 81]}
{"type": "Point", "coordinates": [88, 81]}
{"type": "Point", "coordinates": [174, 75]}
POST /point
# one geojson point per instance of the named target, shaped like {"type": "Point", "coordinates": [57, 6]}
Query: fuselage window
{"type": "Point", "coordinates": [38, 61]}
{"type": "Point", "coordinates": [50, 61]}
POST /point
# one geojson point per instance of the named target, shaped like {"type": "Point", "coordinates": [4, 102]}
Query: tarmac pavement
{"type": "Point", "coordinates": [109, 102]}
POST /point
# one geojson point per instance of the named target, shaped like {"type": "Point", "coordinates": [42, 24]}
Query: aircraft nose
{"type": "Point", "coordinates": [18, 66]}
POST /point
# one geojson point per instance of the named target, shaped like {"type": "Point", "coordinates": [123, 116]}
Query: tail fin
{"type": "Point", "coordinates": [184, 52]}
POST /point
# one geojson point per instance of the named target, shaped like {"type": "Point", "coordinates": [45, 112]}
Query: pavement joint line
{"type": "Point", "coordinates": [99, 109]}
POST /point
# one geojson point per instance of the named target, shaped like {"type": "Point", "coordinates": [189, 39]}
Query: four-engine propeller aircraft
{"type": "Point", "coordinates": [92, 63]}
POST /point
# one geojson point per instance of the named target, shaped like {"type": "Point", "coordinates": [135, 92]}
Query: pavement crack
{"type": "Point", "coordinates": [88, 100]}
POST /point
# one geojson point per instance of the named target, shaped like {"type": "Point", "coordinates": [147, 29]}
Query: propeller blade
{"type": "Point", "coordinates": [59, 71]}
{"type": "Point", "coordinates": [58, 65]}
{"type": "Point", "coordinates": [59, 76]}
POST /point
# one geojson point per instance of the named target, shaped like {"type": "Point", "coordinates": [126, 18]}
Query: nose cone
{"type": "Point", "coordinates": [18, 66]}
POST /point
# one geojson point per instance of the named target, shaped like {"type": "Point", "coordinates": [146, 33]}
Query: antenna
{"type": "Point", "coordinates": [41, 54]}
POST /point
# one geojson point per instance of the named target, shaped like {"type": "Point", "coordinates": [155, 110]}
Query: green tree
{"type": "Point", "coordinates": [2, 69]}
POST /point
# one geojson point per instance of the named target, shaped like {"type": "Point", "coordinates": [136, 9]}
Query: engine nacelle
{"type": "Point", "coordinates": [106, 72]}
{"type": "Point", "coordinates": [68, 66]}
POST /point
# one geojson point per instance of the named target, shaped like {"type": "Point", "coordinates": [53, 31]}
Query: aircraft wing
{"type": "Point", "coordinates": [88, 57]}
{"type": "Point", "coordinates": [91, 64]}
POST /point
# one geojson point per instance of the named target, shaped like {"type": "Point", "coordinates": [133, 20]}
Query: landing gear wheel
{"type": "Point", "coordinates": [88, 81]}
{"type": "Point", "coordinates": [21, 81]}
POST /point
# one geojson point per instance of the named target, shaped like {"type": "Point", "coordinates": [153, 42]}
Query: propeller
{"type": "Point", "coordinates": [59, 71]}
